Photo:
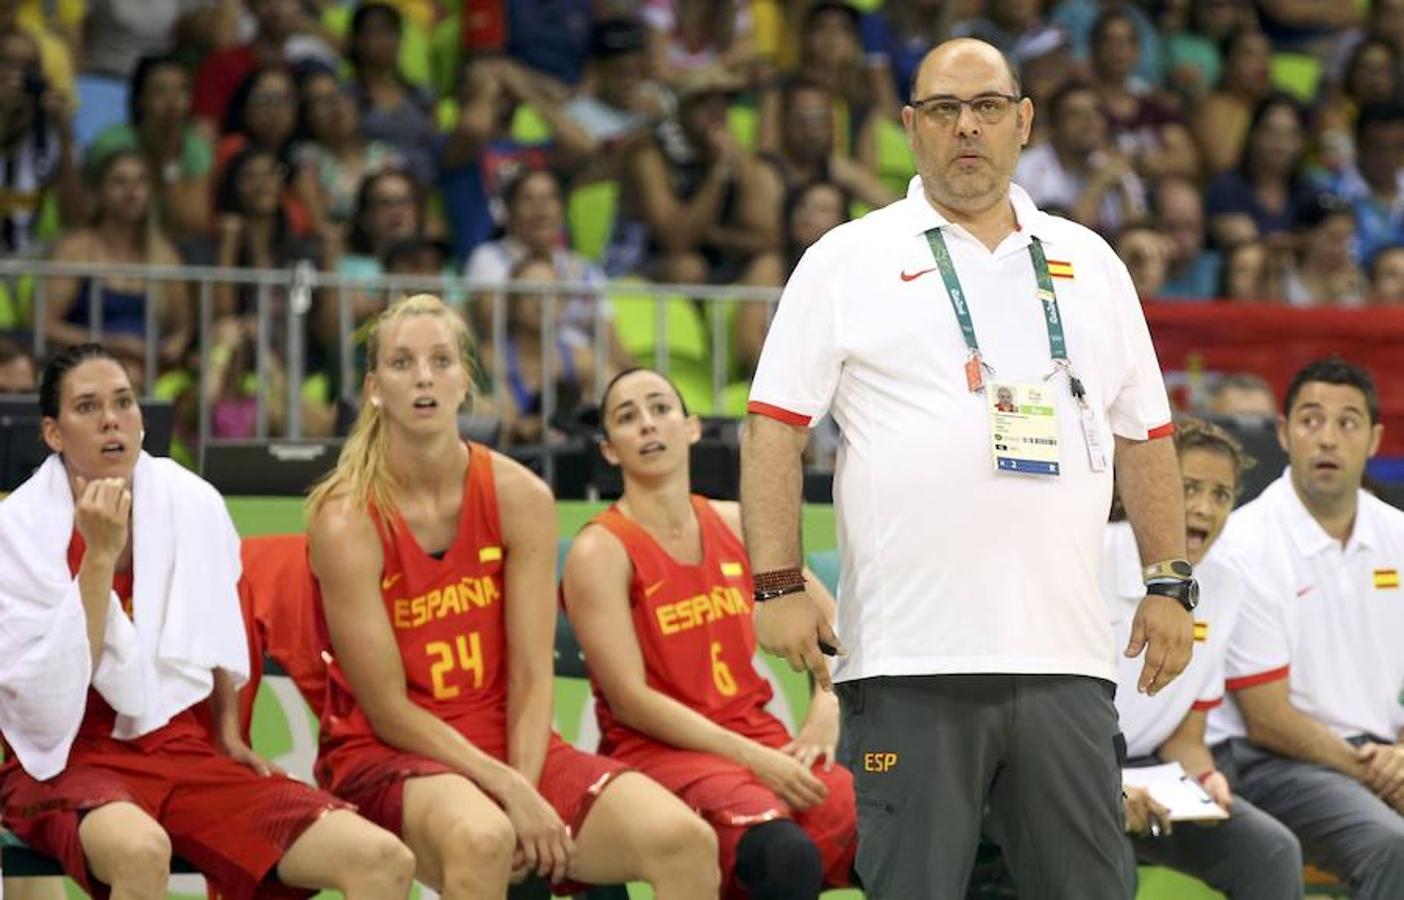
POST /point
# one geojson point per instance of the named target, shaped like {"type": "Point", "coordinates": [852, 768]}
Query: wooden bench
{"type": "Point", "coordinates": [1323, 884]}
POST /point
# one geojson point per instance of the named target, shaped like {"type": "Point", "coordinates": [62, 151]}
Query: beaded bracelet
{"type": "Point", "coordinates": [769, 585]}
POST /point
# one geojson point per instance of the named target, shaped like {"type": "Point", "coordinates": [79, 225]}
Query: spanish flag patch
{"type": "Point", "coordinates": [1060, 269]}
{"type": "Point", "coordinates": [731, 569]}
{"type": "Point", "coordinates": [1201, 632]}
{"type": "Point", "coordinates": [1386, 579]}
{"type": "Point", "coordinates": [489, 554]}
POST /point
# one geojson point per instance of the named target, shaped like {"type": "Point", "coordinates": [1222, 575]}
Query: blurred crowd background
{"type": "Point", "coordinates": [1232, 151]}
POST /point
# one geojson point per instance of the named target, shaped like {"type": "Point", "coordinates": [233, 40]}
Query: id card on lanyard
{"type": "Point", "coordinates": [1023, 436]}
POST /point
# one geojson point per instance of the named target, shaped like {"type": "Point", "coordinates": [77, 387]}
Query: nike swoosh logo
{"type": "Point", "coordinates": [915, 275]}
{"type": "Point", "coordinates": [1302, 592]}
{"type": "Point", "coordinates": [387, 583]}
{"type": "Point", "coordinates": [652, 588]}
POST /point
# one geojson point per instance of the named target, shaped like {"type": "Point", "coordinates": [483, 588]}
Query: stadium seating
{"type": "Point", "coordinates": [16, 297]}
{"type": "Point", "coordinates": [894, 158]}
{"type": "Point", "coordinates": [590, 211]}
{"type": "Point", "coordinates": [1298, 74]}
{"type": "Point", "coordinates": [686, 342]}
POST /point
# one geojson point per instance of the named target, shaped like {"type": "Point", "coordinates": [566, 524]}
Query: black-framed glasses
{"type": "Point", "coordinates": [944, 109]}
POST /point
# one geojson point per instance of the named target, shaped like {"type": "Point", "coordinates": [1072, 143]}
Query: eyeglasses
{"type": "Point", "coordinates": [944, 109]}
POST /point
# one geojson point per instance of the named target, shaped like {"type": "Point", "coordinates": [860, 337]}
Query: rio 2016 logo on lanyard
{"type": "Point", "coordinates": [1029, 429]}
{"type": "Point", "coordinates": [1057, 343]}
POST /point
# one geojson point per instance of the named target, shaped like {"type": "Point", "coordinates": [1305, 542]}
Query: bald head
{"type": "Point", "coordinates": [969, 56]}
{"type": "Point", "coordinates": [966, 124]}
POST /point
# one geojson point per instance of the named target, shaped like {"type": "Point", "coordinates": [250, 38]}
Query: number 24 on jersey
{"type": "Point", "coordinates": [465, 654]}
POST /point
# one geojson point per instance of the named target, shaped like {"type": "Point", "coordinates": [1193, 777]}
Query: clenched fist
{"type": "Point", "coordinates": [101, 516]}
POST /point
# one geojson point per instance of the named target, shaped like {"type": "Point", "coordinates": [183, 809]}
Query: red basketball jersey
{"type": "Point", "coordinates": [447, 615]}
{"type": "Point", "coordinates": [694, 628]}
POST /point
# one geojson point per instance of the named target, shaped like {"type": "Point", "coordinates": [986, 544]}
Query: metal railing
{"type": "Point", "coordinates": [294, 290]}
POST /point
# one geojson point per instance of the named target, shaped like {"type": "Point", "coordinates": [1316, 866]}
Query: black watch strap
{"type": "Point", "coordinates": [1185, 591]}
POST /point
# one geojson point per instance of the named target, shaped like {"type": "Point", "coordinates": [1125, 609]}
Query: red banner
{"type": "Point", "coordinates": [1197, 342]}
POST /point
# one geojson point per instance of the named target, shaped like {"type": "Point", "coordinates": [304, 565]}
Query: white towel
{"type": "Point", "coordinates": [185, 556]}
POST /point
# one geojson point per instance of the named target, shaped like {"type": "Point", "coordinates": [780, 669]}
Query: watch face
{"type": "Point", "coordinates": [1185, 592]}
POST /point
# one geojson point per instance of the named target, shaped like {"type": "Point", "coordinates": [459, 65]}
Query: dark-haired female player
{"type": "Point", "coordinates": [659, 590]}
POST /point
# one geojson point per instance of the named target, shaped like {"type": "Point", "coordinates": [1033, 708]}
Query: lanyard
{"type": "Point", "coordinates": [1057, 343]}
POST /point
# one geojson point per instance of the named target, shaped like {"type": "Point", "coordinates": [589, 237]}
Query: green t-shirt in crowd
{"type": "Point", "coordinates": [196, 154]}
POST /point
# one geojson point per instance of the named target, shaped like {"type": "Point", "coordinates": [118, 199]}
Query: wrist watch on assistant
{"type": "Point", "coordinates": [1173, 578]}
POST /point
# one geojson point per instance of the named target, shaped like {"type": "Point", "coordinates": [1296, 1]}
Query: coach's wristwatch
{"type": "Point", "coordinates": [1183, 590]}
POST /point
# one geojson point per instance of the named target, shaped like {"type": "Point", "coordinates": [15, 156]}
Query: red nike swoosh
{"type": "Point", "coordinates": [1302, 592]}
{"type": "Point", "coordinates": [915, 275]}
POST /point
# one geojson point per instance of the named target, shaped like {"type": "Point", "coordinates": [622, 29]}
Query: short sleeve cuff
{"type": "Point", "coordinates": [1248, 681]}
{"type": "Point", "coordinates": [778, 413]}
{"type": "Point", "coordinates": [1160, 431]}
{"type": "Point", "coordinates": [1134, 428]}
{"type": "Point", "coordinates": [1206, 705]}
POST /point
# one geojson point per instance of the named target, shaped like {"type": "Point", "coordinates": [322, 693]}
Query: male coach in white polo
{"type": "Point", "coordinates": [1316, 661]}
{"type": "Point", "coordinates": [979, 664]}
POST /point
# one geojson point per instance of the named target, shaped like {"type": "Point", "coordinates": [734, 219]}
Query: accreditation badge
{"type": "Point", "coordinates": [1092, 437]}
{"type": "Point", "coordinates": [1023, 428]}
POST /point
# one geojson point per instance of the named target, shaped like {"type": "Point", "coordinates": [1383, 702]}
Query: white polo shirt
{"type": "Point", "coordinates": [1327, 617]}
{"type": "Point", "coordinates": [1147, 721]}
{"type": "Point", "coordinates": [947, 566]}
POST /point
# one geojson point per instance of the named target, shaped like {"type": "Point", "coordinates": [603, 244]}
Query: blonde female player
{"type": "Point", "coordinates": [659, 590]}
{"type": "Point", "coordinates": [435, 560]}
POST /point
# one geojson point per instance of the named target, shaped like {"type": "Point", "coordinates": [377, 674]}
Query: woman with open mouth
{"type": "Point", "coordinates": [1249, 854]}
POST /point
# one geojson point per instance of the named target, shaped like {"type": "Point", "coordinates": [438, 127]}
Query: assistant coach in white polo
{"type": "Point", "coordinates": [987, 365]}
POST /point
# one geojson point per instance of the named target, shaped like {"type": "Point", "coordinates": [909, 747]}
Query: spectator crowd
{"type": "Point", "coordinates": [1231, 150]}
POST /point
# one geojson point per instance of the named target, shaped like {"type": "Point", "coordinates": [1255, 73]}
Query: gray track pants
{"type": "Point", "coordinates": [1344, 828]}
{"type": "Point", "coordinates": [929, 752]}
{"type": "Point", "coordinates": [1250, 856]}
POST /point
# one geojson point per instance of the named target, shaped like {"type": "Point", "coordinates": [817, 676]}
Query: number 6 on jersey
{"type": "Point", "coordinates": [721, 672]}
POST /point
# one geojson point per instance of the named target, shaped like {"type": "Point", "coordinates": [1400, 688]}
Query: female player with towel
{"type": "Point", "coordinates": [118, 593]}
